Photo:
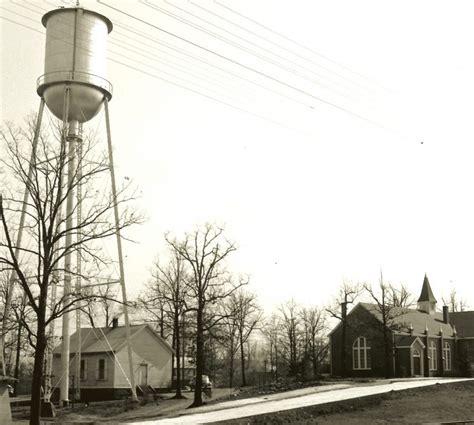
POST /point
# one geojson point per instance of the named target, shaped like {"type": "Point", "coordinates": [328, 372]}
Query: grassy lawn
{"type": "Point", "coordinates": [109, 412]}
{"type": "Point", "coordinates": [437, 403]}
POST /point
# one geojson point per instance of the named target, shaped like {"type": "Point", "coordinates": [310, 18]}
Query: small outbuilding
{"type": "Point", "coordinates": [104, 371]}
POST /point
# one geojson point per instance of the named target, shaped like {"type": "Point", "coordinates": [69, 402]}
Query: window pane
{"type": "Point", "coordinates": [101, 369]}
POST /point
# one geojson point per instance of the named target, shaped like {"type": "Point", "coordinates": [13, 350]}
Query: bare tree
{"type": "Point", "coordinates": [347, 294]}
{"type": "Point", "coordinates": [454, 303]}
{"type": "Point", "coordinates": [316, 346]}
{"type": "Point", "coordinates": [401, 297]}
{"type": "Point", "coordinates": [40, 169]}
{"type": "Point", "coordinates": [16, 343]}
{"type": "Point", "coordinates": [229, 336]}
{"type": "Point", "coordinates": [387, 305]}
{"type": "Point", "coordinates": [167, 294]}
{"type": "Point", "coordinates": [290, 329]}
{"type": "Point", "coordinates": [205, 251]}
{"type": "Point", "coordinates": [247, 315]}
{"type": "Point", "coordinates": [101, 304]}
{"type": "Point", "coordinates": [154, 304]}
{"type": "Point", "coordinates": [271, 332]}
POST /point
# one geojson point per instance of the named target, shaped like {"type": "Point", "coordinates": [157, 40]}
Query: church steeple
{"type": "Point", "coordinates": [427, 301]}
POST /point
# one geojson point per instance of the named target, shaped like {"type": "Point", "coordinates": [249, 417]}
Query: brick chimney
{"type": "Point", "coordinates": [445, 314]}
{"type": "Point", "coordinates": [114, 322]}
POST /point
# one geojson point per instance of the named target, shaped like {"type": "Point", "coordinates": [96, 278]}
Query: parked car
{"type": "Point", "coordinates": [11, 390]}
{"type": "Point", "coordinates": [206, 383]}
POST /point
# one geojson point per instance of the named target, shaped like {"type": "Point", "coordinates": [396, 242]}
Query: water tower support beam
{"type": "Point", "coordinates": [78, 288]}
{"type": "Point", "coordinates": [11, 279]}
{"type": "Point", "coordinates": [120, 254]}
{"type": "Point", "coordinates": [69, 158]}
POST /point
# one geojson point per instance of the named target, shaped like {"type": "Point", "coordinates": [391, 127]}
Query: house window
{"type": "Point", "coordinates": [83, 373]}
{"type": "Point", "coordinates": [101, 370]}
{"type": "Point", "coordinates": [143, 379]}
{"type": "Point", "coordinates": [361, 354]}
{"type": "Point", "coordinates": [432, 355]}
{"type": "Point", "coordinates": [446, 356]}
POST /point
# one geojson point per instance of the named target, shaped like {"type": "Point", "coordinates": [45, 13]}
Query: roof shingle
{"type": "Point", "coordinates": [93, 341]}
{"type": "Point", "coordinates": [464, 322]}
{"type": "Point", "coordinates": [403, 317]}
{"type": "Point", "coordinates": [426, 292]}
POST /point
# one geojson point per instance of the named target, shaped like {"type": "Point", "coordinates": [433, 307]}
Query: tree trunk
{"type": "Point", "coordinates": [343, 338]}
{"type": "Point", "coordinates": [36, 384]}
{"type": "Point", "coordinates": [387, 353]}
{"type": "Point", "coordinates": [162, 325]}
{"type": "Point", "coordinates": [178, 357]}
{"type": "Point", "coordinates": [315, 361]}
{"type": "Point", "coordinates": [242, 359]}
{"type": "Point", "coordinates": [173, 345]}
{"type": "Point", "coordinates": [276, 362]}
{"type": "Point", "coordinates": [17, 358]}
{"type": "Point", "coordinates": [231, 363]}
{"type": "Point", "coordinates": [199, 358]}
{"type": "Point", "coordinates": [183, 339]}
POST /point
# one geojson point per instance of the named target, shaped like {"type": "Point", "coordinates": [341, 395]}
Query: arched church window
{"type": "Point", "coordinates": [361, 358]}
{"type": "Point", "coordinates": [432, 356]}
{"type": "Point", "coordinates": [446, 356]}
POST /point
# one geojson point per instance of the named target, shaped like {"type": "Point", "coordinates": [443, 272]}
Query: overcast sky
{"type": "Point", "coordinates": [333, 143]}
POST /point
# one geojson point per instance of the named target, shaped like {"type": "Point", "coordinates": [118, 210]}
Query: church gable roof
{"type": "Point", "coordinates": [402, 318]}
{"type": "Point", "coordinates": [407, 341]}
{"type": "Point", "coordinates": [426, 292]}
{"type": "Point", "coordinates": [464, 323]}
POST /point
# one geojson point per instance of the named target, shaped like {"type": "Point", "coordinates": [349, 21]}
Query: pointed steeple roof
{"type": "Point", "coordinates": [426, 293]}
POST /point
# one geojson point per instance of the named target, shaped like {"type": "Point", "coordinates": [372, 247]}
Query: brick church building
{"type": "Point", "coordinates": [420, 342]}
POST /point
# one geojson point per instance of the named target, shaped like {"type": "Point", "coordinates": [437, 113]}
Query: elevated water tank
{"type": "Point", "coordinates": [76, 47]}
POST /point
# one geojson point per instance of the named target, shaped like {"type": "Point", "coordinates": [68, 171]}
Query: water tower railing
{"type": "Point", "coordinates": [58, 77]}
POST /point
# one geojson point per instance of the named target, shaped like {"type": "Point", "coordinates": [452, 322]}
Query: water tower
{"type": "Point", "coordinates": [74, 89]}
{"type": "Point", "coordinates": [74, 85]}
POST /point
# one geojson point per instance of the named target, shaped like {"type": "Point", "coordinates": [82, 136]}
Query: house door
{"type": "Point", "coordinates": [143, 374]}
{"type": "Point", "coordinates": [416, 363]}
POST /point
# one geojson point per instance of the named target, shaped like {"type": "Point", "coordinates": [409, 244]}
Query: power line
{"type": "Point", "coordinates": [354, 114]}
{"type": "Point", "coordinates": [188, 54]}
{"type": "Point", "coordinates": [265, 50]}
{"type": "Point", "coordinates": [279, 46]}
{"type": "Point", "coordinates": [298, 44]}
{"type": "Point", "coordinates": [238, 46]}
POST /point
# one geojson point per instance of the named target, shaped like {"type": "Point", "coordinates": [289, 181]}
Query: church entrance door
{"type": "Point", "coordinates": [416, 363]}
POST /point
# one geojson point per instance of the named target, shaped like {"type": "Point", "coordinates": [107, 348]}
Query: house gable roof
{"type": "Point", "coordinates": [101, 340]}
{"type": "Point", "coordinates": [464, 323]}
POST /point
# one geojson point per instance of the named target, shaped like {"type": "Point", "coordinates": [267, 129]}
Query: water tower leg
{"type": "Point", "coordinates": [77, 395]}
{"type": "Point", "coordinates": [120, 254]}
{"type": "Point", "coordinates": [65, 351]}
{"type": "Point", "coordinates": [11, 279]}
